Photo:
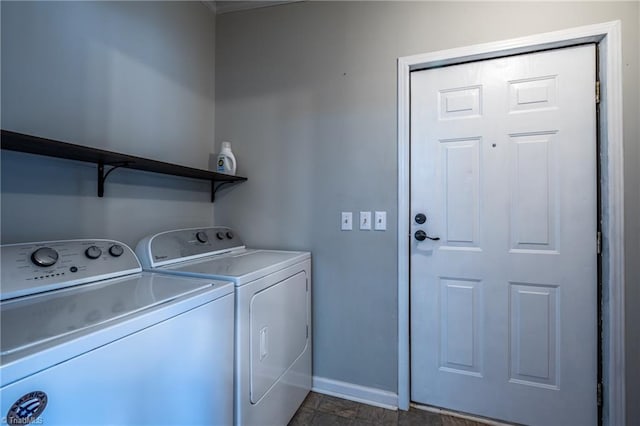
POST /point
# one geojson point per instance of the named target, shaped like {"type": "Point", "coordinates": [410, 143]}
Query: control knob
{"type": "Point", "coordinates": [202, 236]}
{"type": "Point", "coordinates": [44, 256]}
{"type": "Point", "coordinates": [229, 235]}
{"type": "Point", "coordinates": [220, 235]}
{"type": "Point", "coordinates": [93, 252]}
{"type": "Point", "coordinates": [116, 250]}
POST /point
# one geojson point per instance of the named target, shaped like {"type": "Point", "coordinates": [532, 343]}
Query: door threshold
{"type": "Point", "coordinates": [458, 414]}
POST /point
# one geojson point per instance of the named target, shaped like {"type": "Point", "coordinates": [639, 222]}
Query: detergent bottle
{"type": "Point", "coordinates": [226, 160]}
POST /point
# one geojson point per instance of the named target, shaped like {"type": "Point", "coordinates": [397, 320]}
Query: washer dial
{"type": "Point", "coordinates": [93, 252]}
{"type": "Point", "coordinates": [44, 256]}
{"type": "Point", "coordinates": [116, 250]}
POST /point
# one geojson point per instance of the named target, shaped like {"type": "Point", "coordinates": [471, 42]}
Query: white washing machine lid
{"type": "Point", "coordinates": [33, 323]}
{"type": "Point", "coordinates": [240, 266]}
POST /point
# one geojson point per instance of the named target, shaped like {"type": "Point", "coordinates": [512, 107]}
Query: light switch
{"type": "Point", "coordinates": [346, 221]}
{"type": "Point", "coordinates": [380, 221]}
{"type": "Point", "coordinates": [365, 221]}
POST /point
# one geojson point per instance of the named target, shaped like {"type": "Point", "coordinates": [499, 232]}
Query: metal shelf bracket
{"type": "Point", "coordinates": [102, 176]}
{"type": "Point", "coordinates": [215, 188]}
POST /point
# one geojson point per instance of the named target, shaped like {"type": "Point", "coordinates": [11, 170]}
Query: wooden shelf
{"type": "Point", "coordinates": [41, 146]}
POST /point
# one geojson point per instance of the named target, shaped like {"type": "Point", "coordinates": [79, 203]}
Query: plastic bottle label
{"type": "Point", "coordinates": [223, 164]}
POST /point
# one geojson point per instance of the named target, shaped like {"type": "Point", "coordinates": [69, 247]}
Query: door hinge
{"type": "Point", "coordinates": [307, 331]}
{"type": "Point", "coordinates": [600, 322]}
{"type": "Point", "coordinates": [597, 92]}
{"type": "Point", "coordinates": [307, 284]}
{"type": "Point", "coordinates": [599, 394]}
{"type": "Point", "coordinates": [599, 241]}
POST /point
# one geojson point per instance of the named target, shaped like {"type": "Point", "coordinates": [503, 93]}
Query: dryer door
{"type": "Point", "coordinates": [279, 331]}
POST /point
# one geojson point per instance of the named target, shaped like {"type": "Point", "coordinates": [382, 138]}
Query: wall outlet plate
{"type": "Point", "coordinates": [346, 221]}
{"type": "Point", "coordinates": [365, 221]}
{"type": "Point", "coordinates": [380, 221]}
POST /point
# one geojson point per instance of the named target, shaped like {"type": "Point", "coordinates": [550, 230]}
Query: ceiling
{"type": "Point", "coordinates": [220, 7]}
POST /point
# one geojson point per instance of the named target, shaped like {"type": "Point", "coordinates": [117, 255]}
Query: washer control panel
{"type": "Point", "coordinates": [184, 244]}
{"type": "Point", "coordinates": [36, 267]}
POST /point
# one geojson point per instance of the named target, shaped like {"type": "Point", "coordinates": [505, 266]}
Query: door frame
{"type": "Point", "coordinates": [607, 36]}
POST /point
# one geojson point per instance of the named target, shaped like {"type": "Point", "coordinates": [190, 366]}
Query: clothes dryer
{"type": "Point", "coordinates": [273, 314]}
{"type": "Point", "coordinates": [88, 338]}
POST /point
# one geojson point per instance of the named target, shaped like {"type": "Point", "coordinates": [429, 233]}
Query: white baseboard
{"type": "Point", "coordinates": [357, 393]}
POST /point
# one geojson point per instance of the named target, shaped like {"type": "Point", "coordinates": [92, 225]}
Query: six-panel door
{"type": "Point", "coordinates": [503, 306]}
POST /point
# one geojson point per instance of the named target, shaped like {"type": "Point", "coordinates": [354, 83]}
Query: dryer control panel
{"type": "Point", "coordinates": [31, 268]}
{"type": "Point", "coordinates": [186, 244]}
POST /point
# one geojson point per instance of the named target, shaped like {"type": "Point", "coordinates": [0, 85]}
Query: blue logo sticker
{"type": "Point", "coordinates": [27, 409]}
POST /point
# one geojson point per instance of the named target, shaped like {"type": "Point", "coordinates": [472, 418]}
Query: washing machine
{"type": "Point", "coordinates": [88, 338]}
{"type": "Point", "coordinates": [273, 314]}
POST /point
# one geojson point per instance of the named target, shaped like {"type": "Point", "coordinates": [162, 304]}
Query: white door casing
{"type": "Point", "coordinates": [503, 306]}
{"type": "Point", "coordinates": [608, 38]}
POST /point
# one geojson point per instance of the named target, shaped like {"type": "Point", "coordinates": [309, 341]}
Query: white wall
{"type": "Point", "coordinates": [132, 77]}
{"type": "Point", "coordinates": [307, 94]}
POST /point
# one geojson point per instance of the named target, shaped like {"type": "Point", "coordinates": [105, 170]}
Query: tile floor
{"type": "Point", "coordinates": [325, 410]}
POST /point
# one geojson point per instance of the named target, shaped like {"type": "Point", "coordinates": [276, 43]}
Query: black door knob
{"type": "Point", "coordinates": [420, 218]}
{"type": "Point", "coordinates": [421, 236]}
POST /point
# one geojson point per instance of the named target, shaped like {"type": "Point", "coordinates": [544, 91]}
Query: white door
{"type": "Point", "coordinates": [503, 305]}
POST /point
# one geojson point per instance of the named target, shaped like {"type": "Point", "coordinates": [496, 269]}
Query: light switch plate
{"type": "Point", "coordinates": [380, 221]}
{"type": "Point", "coordinates": [365, 221]}
{"type": "Point", "coordinates": [346, 221]}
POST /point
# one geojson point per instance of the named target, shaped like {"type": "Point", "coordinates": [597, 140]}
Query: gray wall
{"type": "Point", "coordinates": [132, 77]}
{"type": "Point", "coordinates": [307, 94]}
